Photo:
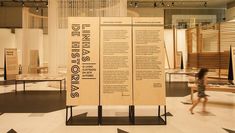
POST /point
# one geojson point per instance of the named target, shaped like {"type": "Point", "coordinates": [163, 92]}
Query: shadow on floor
{"type": "Point", "coordinates": [32, 102]}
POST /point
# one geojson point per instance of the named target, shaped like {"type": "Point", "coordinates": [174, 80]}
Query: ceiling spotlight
{"type": "Point", "coordinates": [131, 3]}
{"type": "Point", "coordinates": [22, 3]}
{"type": "Point", "coordinates": [136, 4]}
{"type": "Point", "coordinates": [155, 4]}
{"type": "Point", "coordinates": [205, 4]}
{"type": "Point", "coordinates": [70, 3]}
{"type": "Point", "coordinates": [37, 9]}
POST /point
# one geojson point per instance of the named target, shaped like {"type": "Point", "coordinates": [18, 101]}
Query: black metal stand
{"type": "Point", "coordinates": [130, 120]}
{"type": "Point", "coordinates": [79, 120]}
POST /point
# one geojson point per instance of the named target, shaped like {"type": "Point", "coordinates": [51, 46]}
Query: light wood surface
{"type": "Point", "coordinates": [219, 88]}
{"type": "Point", "coordinates": [83, 61]}
{"type": "Point", "coordinates": [11, 62]}
{"type": "Point", "coordinates": [38, 77]}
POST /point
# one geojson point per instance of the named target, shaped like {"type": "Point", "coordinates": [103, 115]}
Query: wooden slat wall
{"type": "Point", "coordinates": [227, 35]}
{"type": "Point", "coordinates": [214, 41]}
{"type": "Point", "coordinates": [224, 64]}
{"type": "Point", "coordinates": [210, 40]}
{"type": "Point", "coordinates": [209, 60]}
{"type": "Point", "coordinates": [189, 40]}
{"type": "Point", "coordinates": [192, 60]}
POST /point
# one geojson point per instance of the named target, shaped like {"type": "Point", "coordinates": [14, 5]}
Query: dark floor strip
{"type": "Point", "coordinates": [48, 101]}
{"type": "Point", "coordinates": [32, 102]}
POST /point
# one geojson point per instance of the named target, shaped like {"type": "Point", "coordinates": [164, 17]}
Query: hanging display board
{"type": "Point", "coordinates": [116, 61]}
{"type": "Point", "coordinates": [83, 61]}
{"type": "Point", "coordinates": [148, 61]}
{"type": "Point", "coordinates": [11, 68]}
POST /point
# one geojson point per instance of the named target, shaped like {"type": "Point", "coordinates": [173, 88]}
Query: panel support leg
{"type": "Point", "coordinates": [130, 113]}
{"type": "Point", "coordinates": [64, 84]}
{"type": "Point", "coordinates": [99, 114]}
{"type": "Point", "coordinates": [133, 114]}
{"type": "Point", "coordinates": [66, 115]}
{"type": "Point", "coordinates": [71, 112]}
{"type": "Point", "coordinates": [165, 114]}
{"type": "Point", "coordinates": [24, 85]}
{"type": "Point", "coordinates": [15, 86]}
{"type": "Point", "coordinates": [159, 110]}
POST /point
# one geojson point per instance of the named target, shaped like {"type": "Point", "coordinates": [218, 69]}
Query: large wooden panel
{"type": "Point", "coordinates": [227, 35]}
{"type": "Point", "coordinates": [192, 60]}
{"type": "Point", "coordinates": [116, 61]}
{"type": "Point", "coordinates": [11, 63]}
{"type": "Point", "coordinates": [83, 61]}
{"type": "Point", "coordinates": [148, 61]}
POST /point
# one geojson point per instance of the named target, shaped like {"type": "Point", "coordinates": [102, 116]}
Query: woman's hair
{"type": "Point", "coordinates": [202, 72]}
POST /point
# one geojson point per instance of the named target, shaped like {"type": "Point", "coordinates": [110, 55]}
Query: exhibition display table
{"type": "Point", "coordinates": [171, 72]}
{"type": "Point", "coordinates": [210, 87]}
{"type": "Point", "coordinates": [39, 78]}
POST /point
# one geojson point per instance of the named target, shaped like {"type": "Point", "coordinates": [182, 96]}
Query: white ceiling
{"type": "Point", "coordinates": [210, 3]}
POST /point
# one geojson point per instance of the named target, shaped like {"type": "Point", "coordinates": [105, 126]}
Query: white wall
{"type": "Point", "coordinates": [230, 13]}
{"type": "Point", "coordinates": [24, 40]}
{"type": "Point", "coordinates": [168, 39]}
{"type": "Point", "coordinates": [19, 43]}
{"type": "Point", "coordinates": [7, 40]}
{"type": "Point", "coordinates": [62, 47]}
{"type": "Point", "coordinates": [181, 45]}
{"type": "Point", "coordinates": [32, 40]}
{"type": "Point", "coordinates": [45, 49]}
{"type": "Point", "coordinates": [145, 12]}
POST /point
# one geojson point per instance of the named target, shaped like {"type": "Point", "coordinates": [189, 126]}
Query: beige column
{"type": "Point", "coordinates": [52, 36]}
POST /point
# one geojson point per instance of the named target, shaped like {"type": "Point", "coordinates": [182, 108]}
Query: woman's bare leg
{"type": "Point", "coordinates": [194, 105]}
{"type": "Point", "coordinates": [204, 104]}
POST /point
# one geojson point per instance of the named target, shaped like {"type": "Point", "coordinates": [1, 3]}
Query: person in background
{"type": "Point", "coordinates": [201, 84]}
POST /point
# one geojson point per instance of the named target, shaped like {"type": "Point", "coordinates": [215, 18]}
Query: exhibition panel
{"type": "Point", "coordinates": [116, 61]}
{"type": "Point", "coordinates": [117, 66]}
{"type": "Point", "coordinates": [148, 61]}
{"type": "Point", "coordinates": [131, 60]}
{"type": "Point", "coordinates": [83, 62]}
{"type": "Point", "coordinates": [10, 63]}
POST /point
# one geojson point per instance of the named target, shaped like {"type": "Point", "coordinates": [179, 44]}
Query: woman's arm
{"type": "Point", "coordinates": [205, 81]}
